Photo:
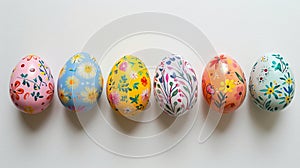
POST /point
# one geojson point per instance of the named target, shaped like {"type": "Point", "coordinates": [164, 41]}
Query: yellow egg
{"type": "Point", "coordinates": [128, 86]}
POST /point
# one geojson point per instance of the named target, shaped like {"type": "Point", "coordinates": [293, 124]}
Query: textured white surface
{"type": "Point", "coordinates": [58, 29]}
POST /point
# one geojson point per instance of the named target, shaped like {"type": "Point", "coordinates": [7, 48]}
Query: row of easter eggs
{"type": "Point", "coordinates": [128, 88]}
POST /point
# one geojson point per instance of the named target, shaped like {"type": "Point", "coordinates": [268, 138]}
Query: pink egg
{"type": "Point", "coordinates": [31, 85]}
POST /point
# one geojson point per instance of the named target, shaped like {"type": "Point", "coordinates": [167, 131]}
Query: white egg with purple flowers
{"type": "Point", "coordinates": [175, 85]}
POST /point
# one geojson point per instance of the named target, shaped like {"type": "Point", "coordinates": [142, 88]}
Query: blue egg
{"type": "Point", "coordinates": [80, 83]}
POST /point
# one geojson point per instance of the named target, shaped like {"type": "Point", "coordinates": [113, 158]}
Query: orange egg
{"type": "Point", "coordinates": [224, 84]}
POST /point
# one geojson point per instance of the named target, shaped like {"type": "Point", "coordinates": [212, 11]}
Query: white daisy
{"type": "Point", "coordinates": [72, 82]}
{"type": "Point", "coordinates": [90, 95]}
{"type": "Point", "coordinates": [86, 70]}
{"type": "Point", "coordinates": [63, 95]}
{"type": "Point", "coordinates": [77, 58]}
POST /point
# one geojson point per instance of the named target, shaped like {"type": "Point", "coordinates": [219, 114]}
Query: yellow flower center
{"type": "Point", "coordinates": [71, 82]}
{"type": "Point", "coordinates": [92, 95]}
{"type": "Point", "coordinates": [270, 90]}
{"type": "Point", "coordinates": [289, 81]}
{"type": "Point", "coordinates": [227, 86]}
{"type": "Point", "coordinates": [287, 99]}
{"type": "Point", "coordinates": [88, 69]}
{"type": "Point", "coordinates": [76, 57]}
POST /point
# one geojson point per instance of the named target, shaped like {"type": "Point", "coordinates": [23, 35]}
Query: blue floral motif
{"type": "Point", "coordinates": [80, 83]}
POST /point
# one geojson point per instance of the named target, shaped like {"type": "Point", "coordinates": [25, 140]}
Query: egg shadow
{"type": "Point", "coordinates": [123, 124]}
{"type": "Point", "coordinates": [82, 119]}
{"type": "Point", "coordinates": [166, 120]}
{"type": "Point", "coordinates": [264, 120]}
{"type": "Point", "coordinates": [128, 126]}
{"type": "Point", "coordinates": [73, 119]}
{"type": "Point", "coordinates": [35, 121]}
{"type": "Point", "coordinates": [225, 119]}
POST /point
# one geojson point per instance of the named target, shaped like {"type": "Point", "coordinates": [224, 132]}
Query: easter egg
{"type": "Point", "coordinates": [175, 85]}
{"type": "Point", "coordinates": [128, 86]}
{"type": "Point", "coordinates": [80, 83]}
{"type": "Point", "coordinates": [31, 85]}
{"type": "Point", "coordinates": [223, 84]}
{"type": "Point", "coordinates": [272, 83]}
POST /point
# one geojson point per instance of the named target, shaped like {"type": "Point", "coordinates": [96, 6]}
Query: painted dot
{"type": "Point", "coordinates": [32, 70]}
{"type": "Point", "coordinates": [23, 65]}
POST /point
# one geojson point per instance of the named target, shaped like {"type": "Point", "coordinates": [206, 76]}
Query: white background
{"type": "Point", "coordinates": [57, 29]}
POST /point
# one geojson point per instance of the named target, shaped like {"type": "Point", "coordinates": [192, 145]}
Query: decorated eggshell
{"type": "Point", "coordinates": [175, 85]}
{"type": "Point", "coordinates": [31, 85]}
{"type": "Point", "coordinates": [223, 84]}
{"type": "Point", "coordinates": [272, 84]}
{"type": "Point", "coordinates": [128, 86]}
{"type": "Point", "coordinates": [80, 83]}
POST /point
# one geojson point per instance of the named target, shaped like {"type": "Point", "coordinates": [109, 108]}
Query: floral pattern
{"type": "Point", "coordinates": [223, 84]}
{"type": "Point", "coordinates": [80, 83]}
{"type": "Point", "coordinates": [86, 70]}
{"type": "Point", "coordinates": [272, 83]}
{"type": "Point", "coordinates": [128, 86]}
{"type": "Point", "coordinates": [175, 85]}
{"type": "Point", "coordinates": [31, 85]}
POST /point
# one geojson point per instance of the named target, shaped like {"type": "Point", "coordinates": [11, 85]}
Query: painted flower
{"type": "Point", "coordinates": [76, 109]}
{"type": "Point", "coordinates": [93, 58]}
{"type": "Point", "coordinates": [72, 82]}
{"type": "Point", "coordinates": [15, 92]}
{"type": "Point", "coordinates": [222, 58]}
{"type": "Point", "coordinates": [28, 109]}
{"type": "Point", "coordinates": [86, 70]}
{"type": "Point", "coordinates": [271, 90]}
{"type": "Point", "coordinates": [287, 79]}
{"type": "Point", "coordinates": [50, 92]}
{"type": "Point", "coordinates": [63, 96]}
{"type": "Point", "coordinates": [145, 95]}
{"type": "Point", "coordinates": [264, 59]}
{"type": "Point", "coordinates": [133, 75]}
{"type": "Point", "coordinates": [227, 86]}
{"type": "Point", "coordinates": [77, 58]}
{"type": "Point", "coordinates": [239, 93]}
{"type": "Point", "coordinates": [62, 71]}
{"type": "Point", "coordinates": [265, 70]}
{"type": "Point", "coordinates": [261, 79]}
{"type": "Point", "coordinates": [210, 89]}
{"type": "Point", "coordinates": [127, 110]}
{"type": "Point", "coordinates": [29, 57]}
{"type": "Point", "coordinates": [114, 98]}
{"type": "Point", "coordinates": [286, 99]}
{"type": "Point", "coordinates": [90, 95]}
{"type": "Point", "coordinates": [144, 81]}
{"type": "Point", "coordinates": [123, 66]}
